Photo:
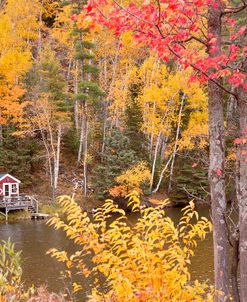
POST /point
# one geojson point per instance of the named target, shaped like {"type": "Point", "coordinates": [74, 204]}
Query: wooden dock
{"type": "Point", "coordinates": [39, 216]}
{"type": "Point", "coordinates": [22, 202]}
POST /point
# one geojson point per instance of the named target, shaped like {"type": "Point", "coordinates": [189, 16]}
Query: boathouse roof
{"type": "Point", "coordinates": [2, 175]}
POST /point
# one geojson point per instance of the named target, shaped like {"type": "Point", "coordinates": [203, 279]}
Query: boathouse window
{"type": "Point", "coordinates": [14, 189]}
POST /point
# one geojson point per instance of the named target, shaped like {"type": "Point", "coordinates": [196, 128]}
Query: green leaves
{"type": "Point", "coordinates": [11, 287]}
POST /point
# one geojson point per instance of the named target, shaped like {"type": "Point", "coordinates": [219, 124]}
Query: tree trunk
{"type": "Point", "coordinates": [80, 144]}
{"type": "Point", "coordinates": [217, 164]}
{"type": "Point", "coordinates": [162, 175]}
{"type": "Point", "coordinates": [85, 156]}
{"type": "Point", "coordinates": [231, 110]}
{"type": "Point", "coordinates": [234, 266]}
{"type": "Point", "coordinates": [176, 143]}
{"type": "Point", "coordinates": [39, 28]}
{"type": "Point", "coordinates": [104, 128]}
{"type": "Point", "coordinates": [242, 187]}
{"type": "Point", "coordinates": [154, 162]}
{"type": "Point", "coordinates": [57, 157]}
{"type": "Point", "coordinates": [76, 111]}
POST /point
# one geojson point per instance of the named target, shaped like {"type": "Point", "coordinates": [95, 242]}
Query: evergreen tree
{"type": "Point", "coordinates": [87, 92]}
{"type": "Point", "coordinates": [18, 155]}
{"type": "Point", "coordinates": [134, 121]}
{"type": "Point", "coordinates": [117, 158]}
{"type": "Point", "coordinates": [190, 181]}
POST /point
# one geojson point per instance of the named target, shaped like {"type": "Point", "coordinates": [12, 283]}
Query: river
{"type": "Point", "coordinates": [34, 238]}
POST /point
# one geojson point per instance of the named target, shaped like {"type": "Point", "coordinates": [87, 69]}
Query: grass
{"type": "Point", "coordinates": [50, 209]}
{"type": "Point", "coordinates": [16, 215]}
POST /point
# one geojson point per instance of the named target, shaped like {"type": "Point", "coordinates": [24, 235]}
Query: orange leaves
{"type": "Point", "coordinates": [16, 57]}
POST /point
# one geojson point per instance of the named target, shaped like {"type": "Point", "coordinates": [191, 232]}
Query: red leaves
{"type": "Point", "coordinates": [233, 49]}
{"type": "Point", "coordinates": [240, 141]}
{"type": "Point", "coordinates": [73, 17]}
{"type": "Point", "coordinates": [237, 141]}
{"type": "Point", "coordinates": [237, 78]}
{"type": "Point", "coordinates": [231, 22]}
{"type": "Point", "coordinates": [168, 27]}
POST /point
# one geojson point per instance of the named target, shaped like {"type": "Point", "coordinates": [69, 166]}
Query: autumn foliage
{"type": "Point", "coordinates": [177, 29]}
{"type": "Point", "coordinates": [147, 261]}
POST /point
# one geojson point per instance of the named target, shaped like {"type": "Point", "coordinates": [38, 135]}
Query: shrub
{"type": "Point", "coordinates": [11, 287]}
{"type": "Point", "coordinates": [147, 261]}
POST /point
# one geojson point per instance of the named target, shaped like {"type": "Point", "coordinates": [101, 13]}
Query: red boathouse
{"type": "Point", "coordinates": [9, 185]}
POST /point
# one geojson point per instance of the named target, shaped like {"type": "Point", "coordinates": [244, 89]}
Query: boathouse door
{"type": "Point", "coordinates": [7, 190]}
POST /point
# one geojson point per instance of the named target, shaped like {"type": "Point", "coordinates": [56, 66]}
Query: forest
{"type": "Point", "coordinates": [139, 102]}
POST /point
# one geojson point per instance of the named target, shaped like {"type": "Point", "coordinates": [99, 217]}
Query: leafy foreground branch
{"type": "Point", "coordinates": [12, 288]}
{"type": "Point", "coordinates": [147, 261]}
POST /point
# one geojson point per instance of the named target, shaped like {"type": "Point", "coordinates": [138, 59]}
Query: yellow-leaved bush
{"type": "Point", "coordinates": [132, 179]}
{"type": "Point", "coordinates": [144, 261]}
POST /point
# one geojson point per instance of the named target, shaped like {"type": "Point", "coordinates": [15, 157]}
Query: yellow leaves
{"type": "Point", "coordinates": [144, 261]}
{"type": "Point", "coordinates": [135, 176]}
{"type": "Point", "coordinates": [18, 27]}
{"type": "Point", "coordinates": [76, 287]}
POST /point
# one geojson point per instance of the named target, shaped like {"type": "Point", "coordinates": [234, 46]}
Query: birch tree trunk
{"type": "Point", "coordinates": [85, 156]}
{"type": "Point", "coordinates": [162, 175]}
{"type": "Point", "coordinates": [79, 156]}
{"type": "Point", "coordinates": [57, 157]}
{"type": "Point", "coordinates": [104, 128]}
{"type": "Point", "coordinates": [154, 162]}
{"type": "Point", "coordinates": [217, 165]}
{"type": "Point", "coordinates": [76, 111]}
{"type": "Point", "coordinates": [176, 143]}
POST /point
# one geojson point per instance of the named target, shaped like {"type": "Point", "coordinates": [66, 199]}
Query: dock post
{"type": "Point", "coordinates": [6, 214]}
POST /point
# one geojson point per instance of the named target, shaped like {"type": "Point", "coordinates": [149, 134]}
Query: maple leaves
{"type": "Point", "coordinates": [170, 26]}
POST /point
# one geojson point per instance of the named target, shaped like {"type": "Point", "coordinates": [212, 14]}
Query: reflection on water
{"type": "Point", "coordinates": [34, 238]}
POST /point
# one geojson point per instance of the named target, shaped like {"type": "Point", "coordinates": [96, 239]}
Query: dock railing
{"type": "Point", "coordinates": [20, 202]}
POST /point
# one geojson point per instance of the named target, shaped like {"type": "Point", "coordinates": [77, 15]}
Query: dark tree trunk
{"type": "Point", "coordinates": [234, 266]}
{"type": "Point", "coordinates": [216, 167]}
{"type": "Point", "coordinates": [242, 187]}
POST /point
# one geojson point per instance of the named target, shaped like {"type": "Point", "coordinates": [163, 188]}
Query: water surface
{"type": "Point", "coordinates": [34, 238]}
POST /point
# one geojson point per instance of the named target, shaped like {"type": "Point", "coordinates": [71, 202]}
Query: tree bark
{"type": "Point", "coordinates": [242, 186]}
{"type": "Point", "coordinates": [154, 161]}
{"type": "Point", "coordinates": [176, 143]}
{"type": "Point", "coordinates": [80, 144]}
{"type": "Point", "coordinates": [57, 157]}
{"type": "Point", "coordinates": [162, 175]}
{"type": "Point", "coordinates": [217, 164]}
{"type": "Point", "coordinates": [231, 110]}
{"type": "Point", "coordinates": [234, 266]}
{"type": "Point", "coordinates": [85, 156]}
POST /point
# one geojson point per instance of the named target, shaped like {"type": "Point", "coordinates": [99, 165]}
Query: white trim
{"type": "Point", "coordinates": [11, 193]}
{"type": "Point", "coordinates": [8, 175]}
{"type": "Point", "coordinates": [17, 189]}
{"type": "Point", "coordinates": [9, 184]}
